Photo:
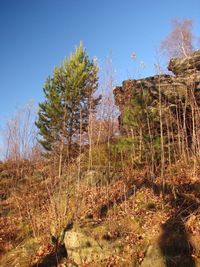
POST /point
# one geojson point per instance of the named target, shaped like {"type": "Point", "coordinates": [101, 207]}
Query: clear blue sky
{"type": "Point", "coordinates": [36, 35]}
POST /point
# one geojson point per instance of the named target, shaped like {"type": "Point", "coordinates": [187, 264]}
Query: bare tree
{"type": "Point", "coordinates": [179, 42]}
{"type": "Point", "coordinates": [20, 134]}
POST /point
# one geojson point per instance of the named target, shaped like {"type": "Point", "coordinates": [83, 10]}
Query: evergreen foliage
{"type": "Point", "coordinates": [69, 99]}
{"type": "Point", "coordinates": [140, 119]}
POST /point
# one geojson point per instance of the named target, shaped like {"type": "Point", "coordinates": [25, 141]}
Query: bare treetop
{"type": "Point", "coordinates": [179, 42]}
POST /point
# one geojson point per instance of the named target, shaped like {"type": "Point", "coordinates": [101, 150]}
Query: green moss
{"type": "Point", "coordinates": [21, 255]}
{"type": "Point", "coordinates": [100, 231]}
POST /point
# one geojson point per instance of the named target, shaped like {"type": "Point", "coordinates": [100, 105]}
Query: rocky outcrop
{"type": "Point", "coordinates": [185, 66]}
{"type": "Point", "coordinates": [153, 257]}
{"type": "Point", "coordinates": [82, 248]}
{"type": "Point", "coordinates": [173, 88]}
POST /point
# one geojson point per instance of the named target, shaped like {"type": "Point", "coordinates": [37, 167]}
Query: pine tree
{"type": "Point", "coordinates": [69, 99]}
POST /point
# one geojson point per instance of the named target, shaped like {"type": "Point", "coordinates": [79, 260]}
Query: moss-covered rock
{"type": "Point", "coordinates": [154, 257]}
{"type": "Point", "coordinates": [82, 248]}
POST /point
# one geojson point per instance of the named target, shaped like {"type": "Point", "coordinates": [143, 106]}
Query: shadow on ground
{"type": "Point", "coordinates": [53, 259]}
{"type": "Point", "coordinates": [174, 244]}
{"type": "Point", "coordinates": [174, 241]}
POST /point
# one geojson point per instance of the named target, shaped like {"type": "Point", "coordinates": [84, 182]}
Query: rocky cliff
{"type": "Point", "coordinates": [173, 88]}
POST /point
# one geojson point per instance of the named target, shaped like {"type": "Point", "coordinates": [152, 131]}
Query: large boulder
{"type": "Point", "coordinates": [177, 93]}
{"type": "Point", "coordinates": [173, 88]}
{"type": "Point", "coordinates": [184, 66]}
{"type": "Point", "coordinates": [83, 248]}
{"type": "Point", "coordinates": [153, 257]}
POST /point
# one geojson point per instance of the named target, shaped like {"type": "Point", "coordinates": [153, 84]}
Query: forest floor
{"type": "Point", "coordinates": [130, 213]}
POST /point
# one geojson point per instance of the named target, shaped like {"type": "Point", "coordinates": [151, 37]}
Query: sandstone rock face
{"type": "Point", "coordinates": [172, 87]}
{"type": "Point", "coordinates": [153, 257]}
{"type": "Point", "coordinates": [82, 248]}
{"type": "Point", "coordinates": [185, 66]}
